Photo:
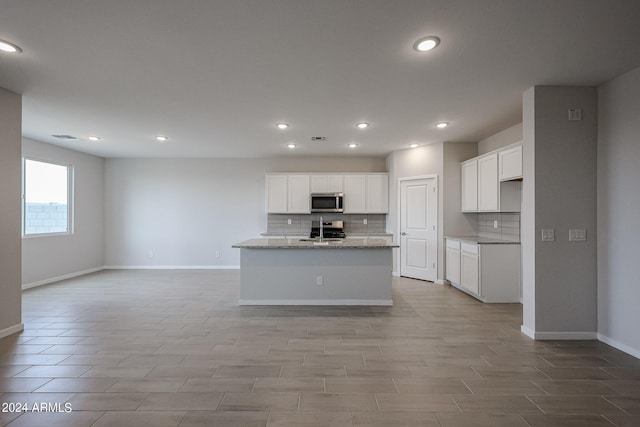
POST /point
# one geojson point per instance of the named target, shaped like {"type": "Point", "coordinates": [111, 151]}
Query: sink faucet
{"type": "Point", "coordinates": [321, 229]}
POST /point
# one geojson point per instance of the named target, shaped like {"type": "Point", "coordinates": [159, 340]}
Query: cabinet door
{"type": "Point", "coordinates": [276, 193]}
{"type": "Point", "coordinates": [377, 194]}
{"type": "Point", "coordinates": [453, 265]}
{"type": "Point", "coordinates": [470, 268]}
{"type": "Point", "coordinates": [488, 185]}
{"type": "Point", "coordinates": [326, 183]}
{"type": "Point", "coordinates": [510, 163]}
{"type": "Point", "coordinates": [469, 186]}
{"type": "Point", "coordinates": [298, 194]}
{"type": "Point", "coordinates": [334, 184]}
{"type": "Point", "coordinates": [355, 194]}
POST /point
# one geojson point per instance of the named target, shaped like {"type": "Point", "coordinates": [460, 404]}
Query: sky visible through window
{"type": "Point", "coordinates": [45, 182]}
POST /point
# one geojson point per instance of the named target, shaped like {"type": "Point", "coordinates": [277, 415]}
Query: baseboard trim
{"type": "Point", "coordinates": [441, 282]}
{"type": "Point", "coordinates": [172, 267]}
{"type": "Point", "coordinates": [12, 330]}
{"type": "Point", "coordinates": [59, 278]}
{"type": "Point", "coordinates": [315, 302]}
{"type": "Point", "coordinates": [620, 346]}
{"type": "Point", "coordinates": [558, 335]}
{"type": "Point", "coordinates": [395, 273]}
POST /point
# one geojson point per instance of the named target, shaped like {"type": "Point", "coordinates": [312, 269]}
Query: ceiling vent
{"type": "Point", "coordinates": [318, 138]}
{"type": "Point", "coordinates": [64, 136]}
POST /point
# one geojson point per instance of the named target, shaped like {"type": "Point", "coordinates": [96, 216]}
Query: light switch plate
{"type": "Point", "coordinates": [548, 235]}
{"type": "Point", "coordinates": [577, 234]}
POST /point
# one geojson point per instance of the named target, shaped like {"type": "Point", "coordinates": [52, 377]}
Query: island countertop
{"type": "Point", "coordinates": [364, 243]}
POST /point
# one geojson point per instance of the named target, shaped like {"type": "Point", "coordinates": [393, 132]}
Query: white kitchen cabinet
{"type": "Point", "coordinates": [287, 193]}
{"type": "Point", "coordinates": [355, 194]}
{"type": "Point", "coordinates": [453, 261]}
{"type": "Point", "coordinates": [276, 193]}
{"type": "Point", "coordinates": [483, 191]}
{"type": "Point", "coordinates": [377, 193]}
{"type": "Point", "coordinates": [488, 185]}
{"type": "Point", "coordinates": [366, 193]}
{"type": "Point", "coordinates": [470, 267]}
{"type": "Point", "coordinates": [489, 272]}
{"type": "Point", "coordinates": [470, 186]}
{"type": "Point", "coordinates": [510, 163]}
{"type": "Point", "coordinates": [326, 184]}
{"type": "Point", "coordinates": [298, 194]}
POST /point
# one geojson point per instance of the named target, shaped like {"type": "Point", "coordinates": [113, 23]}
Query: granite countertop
{"type": "Point", "coordinates": [349, 235]}
{"type": "Point", "coordinates": [482, 240]}
{"type": "Point", "coordinates": [352, 243]}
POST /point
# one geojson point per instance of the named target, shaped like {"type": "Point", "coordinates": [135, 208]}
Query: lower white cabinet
{"type": "Point", "coordinates": [470, 267]}
{"type": "Point", "coordinates": [489, 272]}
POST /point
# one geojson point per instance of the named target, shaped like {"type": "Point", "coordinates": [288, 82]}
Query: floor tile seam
{"type": "Point", "coordinates": [614, 405]}
{"type": "Point", "coordinates": [535, 404]}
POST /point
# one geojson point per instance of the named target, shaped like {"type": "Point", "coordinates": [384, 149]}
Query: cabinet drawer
{"type": "Point", "coordinates": [453, 244]}
{"type": "Point", "coordinates": [470, 248]}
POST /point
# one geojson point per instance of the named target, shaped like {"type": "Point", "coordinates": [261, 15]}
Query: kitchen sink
{"type": "Point", "coordinates": [324, 240]}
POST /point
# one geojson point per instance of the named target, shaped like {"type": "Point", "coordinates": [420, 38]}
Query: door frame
{"type": "Point", "coordinates": [399, 219]}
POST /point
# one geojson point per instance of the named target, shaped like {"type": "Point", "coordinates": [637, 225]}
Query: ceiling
{"type": "Point", "coordinates": [216, 76]}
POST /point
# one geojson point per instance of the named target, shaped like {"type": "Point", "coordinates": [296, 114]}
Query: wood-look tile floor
{"type": "Point", "coordinates": [173, 348]}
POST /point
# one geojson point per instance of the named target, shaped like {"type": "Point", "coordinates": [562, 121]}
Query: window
{"type": "Point", "coordinates": [46, 198]}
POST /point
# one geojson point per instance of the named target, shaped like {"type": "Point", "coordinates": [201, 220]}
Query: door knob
{"type": "Point", "coordinates": [403, 234]}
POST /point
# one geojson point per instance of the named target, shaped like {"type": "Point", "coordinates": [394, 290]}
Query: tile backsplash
{"type": "Point", "coordinates": [301, 224]}
{"type": "Point", "coordinates": [508, 225]}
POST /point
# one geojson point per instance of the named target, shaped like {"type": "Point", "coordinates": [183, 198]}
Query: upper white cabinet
{"type": "Point", "coordinates": [377, 193]}
{"type": "Point", "coordinates": [287, 193]}
{"type": "Point", "coordinates": [298, 195]}
{"type": "Point", "coordinates": [366, 193]}
{"type": "Point", "coordinates": [355, 194]}
{"type": "Point", "coordinates": [326, 184]}
{"type": "Point", "coordinates": [363, 193]}
{"type": "Point", "coordinates": [276, 192]}
{"type": "Point", "coordinates": [488, 181]}
{"type": "Point", "coordinates": [510, 163]}
{"type": "Point", "coordinates": [470, 186]}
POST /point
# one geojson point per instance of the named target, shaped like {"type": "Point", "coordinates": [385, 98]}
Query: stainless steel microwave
{"type": "Point", "coordinates": [327, 202]}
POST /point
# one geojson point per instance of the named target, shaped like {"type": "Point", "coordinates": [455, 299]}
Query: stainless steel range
{"type": "Point", "coordinates": [330, 229]}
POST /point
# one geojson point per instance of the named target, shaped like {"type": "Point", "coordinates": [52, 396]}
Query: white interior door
{"type": "Point", "coordinates": [419, 229]}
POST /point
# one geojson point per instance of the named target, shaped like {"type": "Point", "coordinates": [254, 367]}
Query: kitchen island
{"type": "Point", "coordinates": [309, 272]}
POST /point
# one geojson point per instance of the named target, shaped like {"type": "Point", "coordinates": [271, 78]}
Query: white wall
{"type": "Point", "coordinates": [49, 258]}
{"type": "Point", "coordinates": [10, 209]}
{"type": "Point", "coordinates": [180, 212]}
{"type": "Point", "coordinates": [619, 212]}
{"type": "Point", "coordinates": [559, 282]}
{"type": "Point", "coordinates": [425, 160]}
{"type": "Point", "coordinates": [500, 139]}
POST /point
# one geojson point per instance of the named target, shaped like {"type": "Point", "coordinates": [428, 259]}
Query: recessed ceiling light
{"type": "Point", "coordinates": [352, 145]}
{"type": "Point", "coordinates": [442, 125]}
{"type": "Point", "coordinates": [426, 43]}
{"type": "Point", "coordinates": [94, 138]}
{"type": "Point", "coordinates": [162, 138]}
{"type": "Point", "coordinates": [413, 145]}
{"type": "Point", "coordinates": [291, 146]}
{"type": "Point", "coordinates": [9, 47]}
{"type": "Point", "coordinates": [362, 125]}
{"type": "Point", "coordinates": [282, 125]}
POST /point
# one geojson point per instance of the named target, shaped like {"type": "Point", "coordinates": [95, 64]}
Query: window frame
{"type": "Point", "coordinates": [70, 199]}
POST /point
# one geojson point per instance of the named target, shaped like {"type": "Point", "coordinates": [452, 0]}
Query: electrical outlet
{"type": "Point", "coordinates": [150, 254]}
{"type": "Point", "coordinates": [289, 221]}
{"type": "Point", "coordinates": [217, 254]}
{"type": "Point", "coordinates": [495, 224]}
{"type": "Point", "coordinates": [319, 280]}
{"type": "Point", "coordinates": [364, 221]}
